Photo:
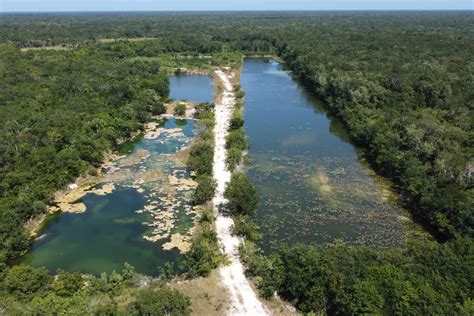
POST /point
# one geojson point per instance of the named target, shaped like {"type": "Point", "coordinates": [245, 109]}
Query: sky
{"type": "Point", "coordinates": [205, 5]}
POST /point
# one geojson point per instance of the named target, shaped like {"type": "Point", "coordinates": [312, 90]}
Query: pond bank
{"type": "Point", "coordinates": [243, 299]}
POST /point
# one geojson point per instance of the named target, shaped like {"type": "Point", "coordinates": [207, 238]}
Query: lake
{"type": "Point", "coordinates": [196, 88]}
{"type": "Point", "coordinates": [314, 185]}
{"type": "Point", "coordinates": [148, 216]}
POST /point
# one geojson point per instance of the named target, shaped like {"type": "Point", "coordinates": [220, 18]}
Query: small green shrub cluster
{"type": "Point", "coordinates": [180, 109]}
{"type": "Point", "coordinates": [242, 195]}
{"type": "Point", "coordinates": [246, 227]}
{"type": "Point", "coordinates": [202, 154]}
{"type": "Point", "coordinates": [162, 301]}
{"type": "Point", "coordinates": [236, 141]}
{"type": "Point", "coordinates": [239, 93]}
{"type": "Point", "coordinates": [204, 255]}
{"type": "Point", "coordinates": [204, 111]}
{"type": "Point", "coordinates": [25, 290]}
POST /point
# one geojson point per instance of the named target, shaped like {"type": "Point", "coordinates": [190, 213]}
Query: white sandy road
{"type": "Point", "coordinates": [243, 299]}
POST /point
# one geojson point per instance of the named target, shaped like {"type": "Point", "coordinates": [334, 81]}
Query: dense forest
{"type": "Point", "coordinates": [401, 83]}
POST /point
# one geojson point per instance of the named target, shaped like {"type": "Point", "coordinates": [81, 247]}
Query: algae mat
{"type": "Point", "coordinates": [145, 208]}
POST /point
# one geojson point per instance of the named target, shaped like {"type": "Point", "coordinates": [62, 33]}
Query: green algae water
{"type": "Point", "coordinates": [314, 187]}
{"type": "Point", "coordinates": [126, 225]}
{"type": "Point", "coordinates": [147, 218]}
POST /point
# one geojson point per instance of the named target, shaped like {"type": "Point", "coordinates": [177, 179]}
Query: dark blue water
{"type": "Point", "coordinates": [314, 186]}
{"type": "Point", "coordinates": [196, 88]}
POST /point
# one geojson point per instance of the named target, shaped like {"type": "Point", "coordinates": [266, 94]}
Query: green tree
{"type": "Point", "coordinates": [180, 109]}
{"type": "Point", "coordinates": [204, 255]}
{"type": "Point", "coordinates": [205, 189]}
{"type": "Point", "coordinates": [67, 283]}
{"type": "Point", "coordinates": [242, 194]}
{"type": "Point", "coordinates": [23, 281]}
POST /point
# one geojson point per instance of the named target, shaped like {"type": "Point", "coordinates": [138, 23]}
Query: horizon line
{"type": "Point", "coordinates": [242, 10]}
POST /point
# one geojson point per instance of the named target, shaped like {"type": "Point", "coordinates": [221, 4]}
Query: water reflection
{"type": "Point", "coordinates": [314, 188]}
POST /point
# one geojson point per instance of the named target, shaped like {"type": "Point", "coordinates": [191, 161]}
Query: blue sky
{"type": "Point", "coordinates": [192, 5]}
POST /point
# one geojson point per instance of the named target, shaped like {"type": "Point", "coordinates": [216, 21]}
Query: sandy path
{"type": "Point", "coordinates": [243, 300]}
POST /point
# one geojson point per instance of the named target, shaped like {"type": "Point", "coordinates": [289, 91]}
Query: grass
{"type": "Point", "coordinates": [130, 39]}
{"type": "Point", "coordinates": [56, 47]}
{"type": "Point", "coordinates": [207, 295]}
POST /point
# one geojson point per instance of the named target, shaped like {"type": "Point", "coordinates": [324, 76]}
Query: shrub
{"type": "Point", "coordinates": [236, 143]}
{"type": "Point", "coordinates": [201, 157]}
{"type": "Point", "coordinates": [180, 109]}
{"type": "Point", "coordinates": [239, 94]}
{"type": "Point", "coordinates": [242, 195]}
{"type": "Point", "coordinates": [234, 156]}
{"type": "Point", "coordinates": [23, 281]}
{"type": "Point", "coordinates": [53, 304]}
{"type": "Point", "coordinates": [245, 226]}
{"type": "Point", "coordinates": [162, 301]}
{"type": "Point", "coordinates": [106, 310]}
{"type": "Point", "coordinates": [204, 111]}
{"type": "Point", "coordinates": [204, 254]}
{"type": "Point", "coordinates": [158, 108]}
{"type": "Point", "coordinates": [205, 189]}
{"type": "Point", "coordinates": [236, 122]}
{"type": "Point", "coordinates": [236, 139]}
{"type": "Point", "coordinates": [67, 283]}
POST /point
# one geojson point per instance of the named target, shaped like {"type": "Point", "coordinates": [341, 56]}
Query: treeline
{"type": "Point", "coordinates": [409, 105]}
{"type": "Point", "coordinates": [424, 279]}
{"type": "Point", "coordinates": [401, 82]}
{"type": "Point", "coordinates": [60, 112]}
{"type": "Point", "coordinates": [32, 291]}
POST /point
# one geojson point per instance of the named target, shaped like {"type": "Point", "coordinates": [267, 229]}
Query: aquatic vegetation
{"type": "Point", "coordinates": [312, 187]}
{"type": "Point", "coordinates": [157, 208]}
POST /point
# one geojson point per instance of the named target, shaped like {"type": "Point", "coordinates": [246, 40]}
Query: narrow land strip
{"type": "Point", "coordinates": [243, 299]}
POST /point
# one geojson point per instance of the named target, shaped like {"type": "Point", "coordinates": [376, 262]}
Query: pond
{"type": "Point", "coordinates": [144, 216]}
{"type": "Point", "coordinates": [196, 88]}
{"type": "Point", "coordinates": [314, 185]}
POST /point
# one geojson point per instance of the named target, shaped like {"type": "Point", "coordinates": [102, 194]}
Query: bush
{"type": "Point", "coordinates": [239, 94]}
{"type": "Point", "coordinates": [237, 121]}
{"type": "Point", "coordinates": [236, 139]}
{"type": "Point", "coordinates": [246, 227]}
{"type": "Point", "coordinates": [23, 281]}
{"type": "Point", "coordinates": [106, 310]}
{"type": "Point", "coordinates": [67, 283]}
{"type": "Point", "coordinates": [158, 108]}
{"type": "Point", "coordinates": [201, 157]}
{"type": "Point", "coordinates": [204, 255]}
{"type": "Point", "coordinates": [234, 156]}
{"type": "Point", "coordinates": [162, 301]}
{"type": "Point", "coordinates": [204, 111]}
{"type": "Point", "coordinates": [53, 304]}
{"type": "Point", "coordinates": [205, 189]}
{"type": "Point", "coordinates": [207, 216]}
{"type": "Point", "coordinates": [236, 143]}
{"type": "Point", "coordinates": [180, 109]}
{"type": "Point", "coordinates": [242, 195]}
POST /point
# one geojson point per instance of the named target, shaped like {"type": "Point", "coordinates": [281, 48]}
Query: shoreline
{"type": "Point", "coordinates": [243, 299]}
{"type": "Point", "coordinates": [65, 200]}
